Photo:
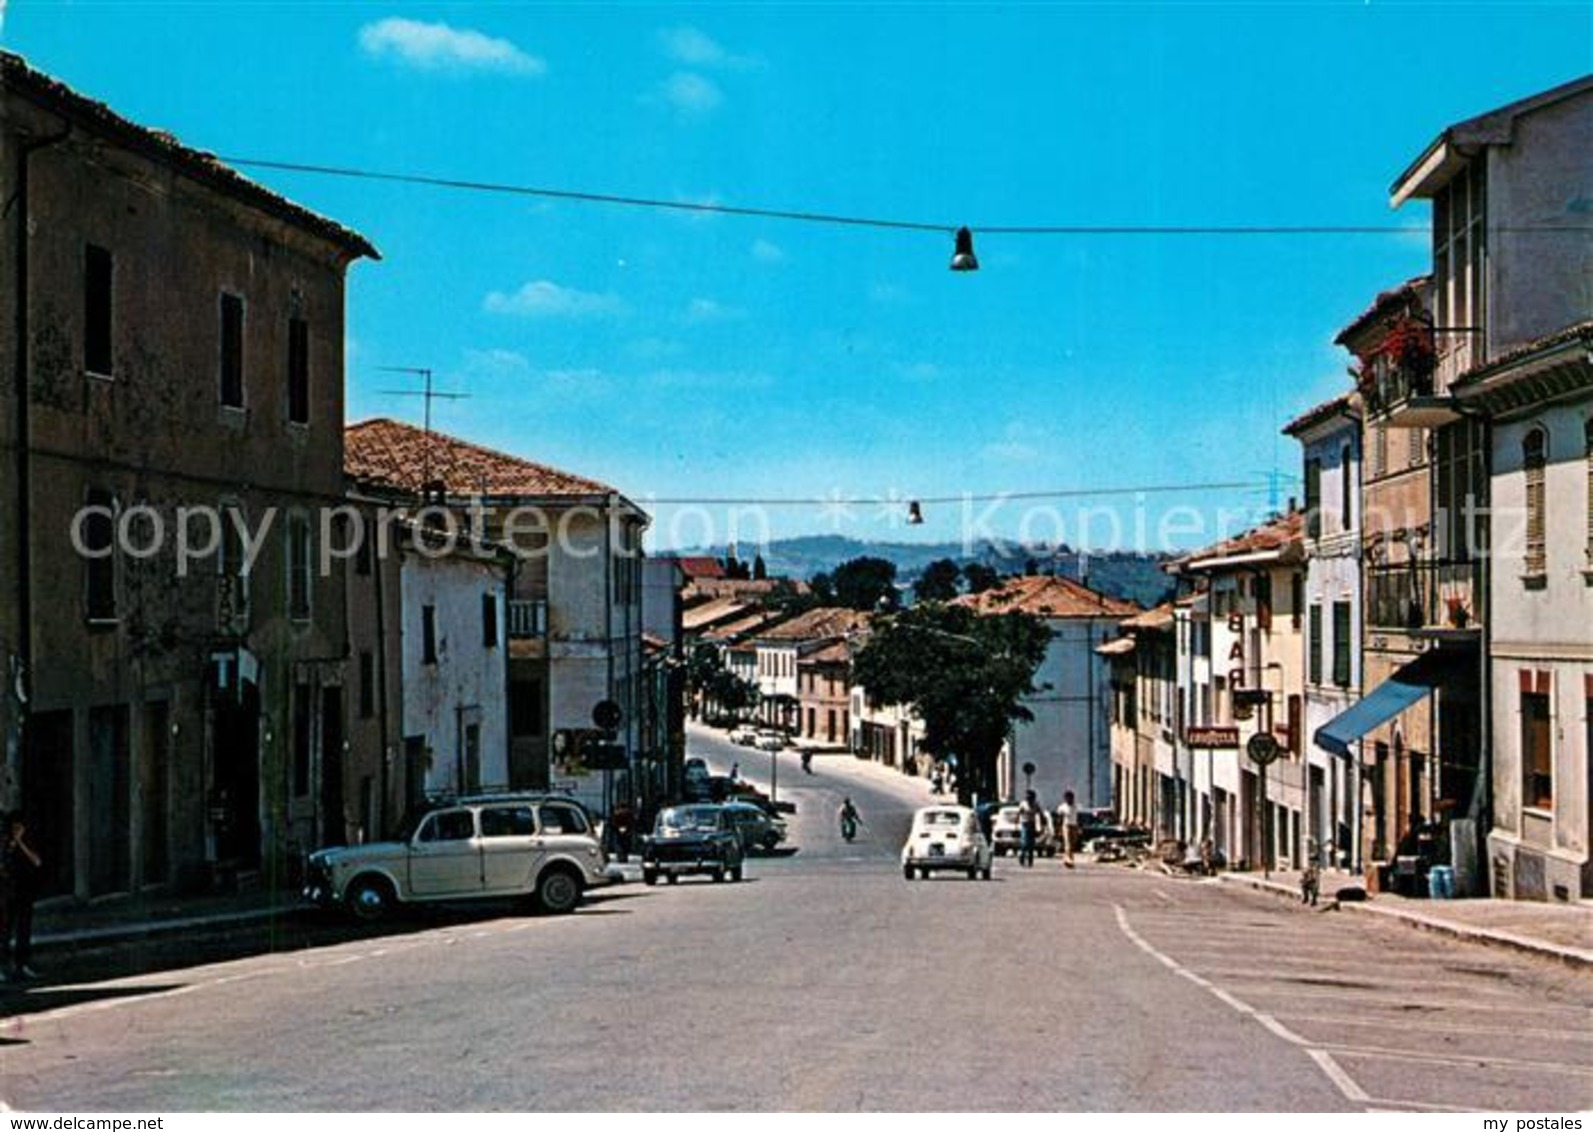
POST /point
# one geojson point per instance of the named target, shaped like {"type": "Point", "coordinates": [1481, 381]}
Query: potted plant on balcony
{"type": "Point", "coordinates": [1408, 346]}
{"type": "Point", "coordinates": [1458, 614]}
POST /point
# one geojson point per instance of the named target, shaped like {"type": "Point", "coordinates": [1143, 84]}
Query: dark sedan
{"type": "Point", "coordinates": [699, 839]}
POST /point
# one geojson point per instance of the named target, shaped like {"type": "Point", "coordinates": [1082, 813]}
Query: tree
{"type": "Point", "coordinates": [963, 673]}
{"type": "Point", "coordinates": [733, 694]}
{"type": "Point", "coordinates": [823, 587]}
{"type": "Point", "coordinates": [702, 670]}
{"type": "Point", "coordinates": [864, 583]}
{"type": "Point", "coordinates": [938, 582]}
{"type": "Point", "coordinates": [760, 571]}
{"type": "Point", "coordinates": [979, 577]}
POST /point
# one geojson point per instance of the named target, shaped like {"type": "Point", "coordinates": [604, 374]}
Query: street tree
{"type": "Point", "coordinates": [866, 583]}
{"type": "Point", "coordinates": [733, 694]}
{"type": "Point", "coordinates": [965, 675]}
{"type": "Point", "coordinates": [702, 671]}
{"type": "Point", "coordinates": [938, 582]}
{"type": "Point", "coordinates": [760, 570]}
{"type": "Point", "coordinates": [980, 577]}
{"type": "Point", "coordinates": [823, 588]}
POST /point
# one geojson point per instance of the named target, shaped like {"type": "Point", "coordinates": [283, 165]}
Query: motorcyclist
{"type": "Point", "coordinates": [807, 762]}
{"type": "Point", "coordinates": [849, 819]}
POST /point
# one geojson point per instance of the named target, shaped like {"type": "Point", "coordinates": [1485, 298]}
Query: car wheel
{"type": "Point", "coordinates": [973, 873]}
{"type": "Point", "coordinates": [907, 872]}
{"type": "Point", "coordinates": [719, 876]}
{"type": "Point", "coordinates": [674, 878]}
{"type": "Point", "coordinates": [735, 875]}
{"type": "Point", "coordinates": [558, 891]}
{"type": "Point", "coordinates": [985, 872]}
{"type": "Point", "coordinates": [369, 899]}
{"type": "Point", "coordinates": [770, 842]}
{"type": "Point", "coordinates": [649, 877]}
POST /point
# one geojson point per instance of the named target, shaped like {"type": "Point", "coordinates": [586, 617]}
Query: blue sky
{"type": "Point", "coordinates": [684, 357]}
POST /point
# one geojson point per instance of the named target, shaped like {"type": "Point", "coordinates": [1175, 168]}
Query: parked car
{"type": "Point", "coordinates": [772, 741]}
{"type": "Point", "coordinates": [946, 837]}
{"type": "Point", "coordinates": [744, 737]}
{"type": "Point", "coordinates": [1100, 826]}
{"type": "Point", "coordinates": [540, 846]}
{"type": "Point", "coordinates": [1005, 836]}
{"type": "Point", "coordinates": [758, 829]}
{"type": "Point", "coordinates": [697, 778]}
{"type": "Point", "coordinates": [691, 840]}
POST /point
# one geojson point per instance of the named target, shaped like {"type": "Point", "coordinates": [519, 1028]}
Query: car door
{"type": "Point", "coordinates": [445, 856]}
{"type": "Point", "coordinates": [511, 847]}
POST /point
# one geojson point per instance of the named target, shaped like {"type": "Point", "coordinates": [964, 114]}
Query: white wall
{"type": "Point", "coordinates": [1069, 739]}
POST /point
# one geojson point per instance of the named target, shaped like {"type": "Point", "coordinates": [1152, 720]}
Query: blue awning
{"type": "Point", "coordinates": [1410, 683]}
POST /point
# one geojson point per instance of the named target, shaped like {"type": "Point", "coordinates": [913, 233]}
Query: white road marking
{"type": "Point", "coordinates": [1468, 1060]}
{"type": "Point", "coordinates": [1324, 1060]}
{"type": "Point", "coordinates": [1401, 1023]}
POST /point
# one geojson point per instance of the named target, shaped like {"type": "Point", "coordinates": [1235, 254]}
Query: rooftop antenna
{"type": "Point", "coordinates": [430, 395]}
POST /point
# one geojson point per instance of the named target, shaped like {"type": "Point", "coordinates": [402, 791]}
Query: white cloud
{"type": "Point", "coordinates": [543, 299]}
{"type": "Point", "coordinates": [709, 310]}
{"type": "Point", "coordinates": [691, 93]}
{"type": "Point", "coordinates": [693, 48]}
{"type": "Point", "coordinates": [438, 47]}
{"type": "Point", "coordinates": [765, 252]}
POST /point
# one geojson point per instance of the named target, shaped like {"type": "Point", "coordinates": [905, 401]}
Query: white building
{"type": "Point", "coordinates": [1330, 435]}
{"type": "Point", "coordinates": [455, 664]}
{"type": "Point", "coordinates": [1068, 742]}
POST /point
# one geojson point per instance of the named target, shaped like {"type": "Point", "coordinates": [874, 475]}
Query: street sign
{"type": "Point", "coordinates": [1262, 748]}
{"type": "Point", "coordinates": [607, 715]}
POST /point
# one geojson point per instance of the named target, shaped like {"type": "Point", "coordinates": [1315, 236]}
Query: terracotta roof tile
{"type": "Point", "coordinates": [1047, 597]}
{"type": "Point", "coordinates": [1152, 619]}
{"type": "Point", "coordinates": [392, 454]}
{"type": "Point", "coordinates": [701, 566]}
{"type": "Point", "coordinates": [836, 652]}
{"type": "Point", "coordinates": [818, 624]}
{"type": "Point", "coordinates": [1282, 534]}
{"type": "Point", "coordinates": [713, 612]}
{"type": "Point", "coordinates": [1340, 405]}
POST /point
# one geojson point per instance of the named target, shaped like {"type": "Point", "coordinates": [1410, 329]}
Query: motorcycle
{"type": "Point", "coordinates": [848, 828]}
{"type": "Point", "coordinates": [807, 762]}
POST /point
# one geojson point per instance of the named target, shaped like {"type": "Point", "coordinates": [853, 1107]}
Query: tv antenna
{"type": "Point", "coordinates": [430, 395]}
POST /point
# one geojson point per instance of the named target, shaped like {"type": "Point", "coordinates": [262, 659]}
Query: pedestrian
{"type": "Point", "coordinates": [735, 772]}
{"type": "Point", "coordinates": [624, 822]}
{"type": "Point", "coordinates": [1067, 820]}
{"type": "Point", "coordinates": [1029, 819]}
{"type": "Point", "coordinates": [937, 779]}
{"type": "Point", "coordinates": [21, 866]}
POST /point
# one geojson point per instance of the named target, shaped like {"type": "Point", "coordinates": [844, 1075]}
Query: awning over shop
{"type": "Point", "coordinates": [1410, 683]}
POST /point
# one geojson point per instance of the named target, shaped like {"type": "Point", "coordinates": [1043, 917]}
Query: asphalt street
{"type": "Point", "coordinates": [826, 982]}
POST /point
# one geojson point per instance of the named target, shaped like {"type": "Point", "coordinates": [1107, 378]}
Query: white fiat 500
{"type": "Point", "coordinates": [946, 837]}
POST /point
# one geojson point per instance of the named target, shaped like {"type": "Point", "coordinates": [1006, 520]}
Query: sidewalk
{"type": "Point", "coordinates": [63, 922]}
{"type": "Point", "coordinates": [1557, 931]}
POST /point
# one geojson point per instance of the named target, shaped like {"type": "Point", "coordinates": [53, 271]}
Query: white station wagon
{"type": "Point", "coordinates": [538, 846]}
{"type": "Point", "coordinates": [946, 837]}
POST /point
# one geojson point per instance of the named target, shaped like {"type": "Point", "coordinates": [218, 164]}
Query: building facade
{"type": "Point", "coordinates": [175, 646]}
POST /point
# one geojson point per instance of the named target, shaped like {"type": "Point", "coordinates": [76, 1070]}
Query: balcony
{"type": "Point", "coordinates": [528, 619]}
{"type": "Point", "coordinates": [1430, 597]}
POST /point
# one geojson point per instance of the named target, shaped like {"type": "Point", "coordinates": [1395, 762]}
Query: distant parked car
{"type": "Point", "coordinates": [1099, 826]}
{"type": "Point", "coordinates": [744, 737]}
{"type": "Point", "coordinates": [758, 829]}
{"type": "Point", "coordinates": [772, 741]}
{"type": "Point", "coordinates": [946, 837]}
{"type": "Point", "coordinates": [1005, 837]}
{"type": "Point", "coordinates": [540, 846]}
{"type": "Point", "coordinates": [692, 840]}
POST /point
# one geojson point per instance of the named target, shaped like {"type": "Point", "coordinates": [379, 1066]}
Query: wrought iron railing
{"type": "Point", "coordinates": [1425, 594]}
{"type": "Point", "coordinates": [528, 619]}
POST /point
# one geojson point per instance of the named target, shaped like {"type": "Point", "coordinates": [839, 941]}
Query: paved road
{"type": "Point", "coordinates": [826, 982]}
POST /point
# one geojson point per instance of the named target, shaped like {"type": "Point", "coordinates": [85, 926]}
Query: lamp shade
{"type": "Point", "coordinates": [963, 258]}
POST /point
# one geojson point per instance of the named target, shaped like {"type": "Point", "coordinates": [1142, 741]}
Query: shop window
{"type": "Point", "coordinates": [1537, 752]}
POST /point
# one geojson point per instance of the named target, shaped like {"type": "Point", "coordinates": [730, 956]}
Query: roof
{"type": "Point", "coordinates": [1389, 302]}
{"type": "Point", "coordinates": [1552, 367]}
{"type": "Point", "coordinates": [711, 612]}
{"type": "Point", "coordinates": [157, 145]}
{"type": "Point", "coordinates": [701, 566]}
{"type": "Point", "coordinates": [740, 627]}
{"type": "Point", "coordinates": [1445, 154]}
{"type": "Point", "coordinates": [1279, 540]}
{"type": "Point", "coordinates": [1047, 597]}
{"type": "Point", "coordinates": [818, 624]}
{"type": "Point", "coordinates": [1151, 620]}
{"type": "Point", "coordinates": [392, 454]}
{"type": "Point", "coordinates": [1118, 646]}
{"type": "Point", "coordinates": [1340, 406]}
{"type": "Point", "coordinates": [836, 652]}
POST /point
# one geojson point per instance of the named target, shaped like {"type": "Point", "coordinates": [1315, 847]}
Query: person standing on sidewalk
{"type": "Point", "coordinates": [1067, 823]}
{"type": "Point", "coordinates": [21, 867]}
{"type": "Point", "coordinates": [1029, 820]}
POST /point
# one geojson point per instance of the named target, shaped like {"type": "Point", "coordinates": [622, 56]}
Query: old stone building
{"type": "Point", "coordinates": [171, 432]}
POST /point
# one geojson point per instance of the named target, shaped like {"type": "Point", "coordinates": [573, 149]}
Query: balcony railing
{"type": "Point", "coordinates": [1425, 595]}
{"type": "Point", "coordinates": [528, 619]}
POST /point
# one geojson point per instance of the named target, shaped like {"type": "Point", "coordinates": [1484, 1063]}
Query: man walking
{"type": "Point", "coordinates": [1067, 820]}
{"type": "Point", "coordinates": [1029, 819]}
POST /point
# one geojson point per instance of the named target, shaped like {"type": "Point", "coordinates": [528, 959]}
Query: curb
{"type": "Point", "coordinates": [1571, 956]}
{"type": "Point", "coordinates": [146, 929]}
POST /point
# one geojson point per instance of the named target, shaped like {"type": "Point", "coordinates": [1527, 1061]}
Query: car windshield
{"type": "Point", "coordinates": [683, 819]}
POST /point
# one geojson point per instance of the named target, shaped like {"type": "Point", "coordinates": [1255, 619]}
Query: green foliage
{"type": "Point", "coordinates": [823, 587]}
{"type": "Point", "coordinates": [939, 581]}
{"type": "Point", "coordinates": [980, 577]}
{"type": "Point", "coordinates": [964, 674]}
{"type": "Point", "coordinates": [865, 583]}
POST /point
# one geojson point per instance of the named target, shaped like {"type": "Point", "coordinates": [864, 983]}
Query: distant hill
{"type": "Point", "coordinates": [1120, 574]}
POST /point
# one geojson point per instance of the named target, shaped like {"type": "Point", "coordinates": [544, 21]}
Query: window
{"type": "Point", "coordinates": [525, 708]}
{"type": "Point", "coordinates": [428, 634]}
{"type": "Point", "coordinates": [231, 351]}
{"type": "Point", "coordinates": [300, 567]}
{"type": "Point", "coordinates": [367, 684]}
{"type": "Point", "coordinates": [1379, 449]}
{"type": "Point", "coordinates": [1537, 755]}
{"type": "Point", "coordinates": [489, 621]}
{"type": "Point", "coordinates": [450, 825]}
{"type": "Point", "coordinates": [98, 310]}
{"type": "Point", "coordinates": [99, 556]}
{"type": "Point", "coordinates": [563, 819]}
{"type": "Point", "coordinates": [232, 571]}
{"type": "Point", "coordinates": [1341, 643]}
{"type": "Point", "coordinates": [508, 821]}
{"type": "Point", "coordinates": [1296, 599]}
{"type": "Point", "coordinates": [1313, 498]}
{"type": "Point", "coordinates": [1346, 488]}
{"type": "Point", "coordinates": [1313, 644]}
{"type": "Point", "coordinates": [298, 371]}
{"type": "Point", "coordinates": [1534, 461]}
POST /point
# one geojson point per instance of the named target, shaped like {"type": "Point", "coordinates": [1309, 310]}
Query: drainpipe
{"type": "Point", "coordinates": [23, 676]}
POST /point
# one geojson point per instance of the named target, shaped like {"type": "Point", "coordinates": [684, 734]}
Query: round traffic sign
{"type": "Point", "coordinates": [1262, 748]}
{"type": "Point", "coordinates": [607, 715]}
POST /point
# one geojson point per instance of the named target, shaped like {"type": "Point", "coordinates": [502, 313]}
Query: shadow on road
{"type": "Point", "coordinates": [18, 1003]}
